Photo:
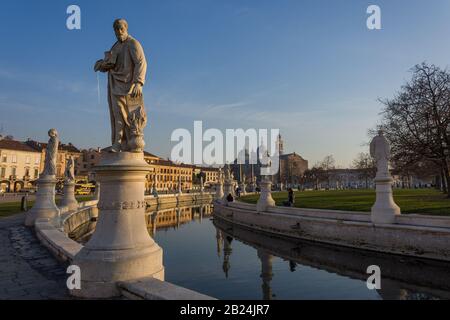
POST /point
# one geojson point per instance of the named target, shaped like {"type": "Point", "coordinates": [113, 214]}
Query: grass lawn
{"type": "Point", "coordinates": [10, 208]}
{"type": "Point", "coordinates": [421, 201]}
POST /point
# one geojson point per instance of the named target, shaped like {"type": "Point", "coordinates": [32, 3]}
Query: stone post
{"type": "Point", "coordinates": [68, 199]}
{"type": "Point", "coordinates": [265, 198]}
{"type": "Point", "coordinates": [154, 189]}
{"type": "Point", "coordinates": [219, 190]}
{"type": "Point", "coordinates": [385, 209]}
{"type": "Point", "coordinates": [44, 206]}
{"type": "Point", "coordinates": [243, 186]}
{"type": "Point", "coordinates": [202, 188]}
{"type": "Point", "coordinates": [97, 191]}
{"type": "Point", "coordinates": [179, 185]}
{"type": "Point", "coordinates": [266, 273]}
{"type": "Point", "coordinates": [121, 248]}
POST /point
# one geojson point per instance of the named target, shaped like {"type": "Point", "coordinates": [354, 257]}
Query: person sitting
{"type": "Point", "coordinates": [230, 198]}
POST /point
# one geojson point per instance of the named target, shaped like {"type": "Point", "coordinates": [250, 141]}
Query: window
{"type": "Point", "coordinates": [14, 158]}
{"type": "Point", "coordinates": [27, 172]}
{"type": "Point", "coordinates": [13, 171]}
{"type": "Point", "coordinates": [4, 158]}
{"type": "Point", "coordinates": [92, 157]}
{"type": "Point", "coordinates": [36, 173]}
{"type": "Point", "coordinates": [2, 172]}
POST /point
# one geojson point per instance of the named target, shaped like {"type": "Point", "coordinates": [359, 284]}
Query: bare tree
{"type": "Point", "coordinates": [417, 120]}
{"type": "Point", "coordinates": [328, 164]}
{"type": "Point", "coordinates": [366, 166]}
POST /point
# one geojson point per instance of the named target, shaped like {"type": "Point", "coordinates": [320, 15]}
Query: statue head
{"type": "Point", "coordinates": [52, 133]}
{"type": "Point", "coordinates": [380, 132]}
{"type": "Point", "coordinates": [121, 29]}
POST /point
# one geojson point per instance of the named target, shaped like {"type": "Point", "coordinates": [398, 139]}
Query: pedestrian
{"type": "Point", "coordinates": [291, 197]}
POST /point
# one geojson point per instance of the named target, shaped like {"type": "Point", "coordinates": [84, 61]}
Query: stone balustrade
{"type": "Point", "coordinates": [57, 241]}
{"type": "Point", "coordinates": [413, 235]}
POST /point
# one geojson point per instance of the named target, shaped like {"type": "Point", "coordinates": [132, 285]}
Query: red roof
{"type": "Point", "coordinates": [16, 145]}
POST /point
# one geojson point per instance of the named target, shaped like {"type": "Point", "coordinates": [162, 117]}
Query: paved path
{"type": "Point", "coordinates": [27, 269]}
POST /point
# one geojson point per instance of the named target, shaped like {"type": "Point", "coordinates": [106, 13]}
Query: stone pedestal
{"type": "Point", "coordinates": [121, 248]}
{"type": "Point", "coordinates": [68, 199]}
{"type": "Point", "coordinates": [385, 209]}
{"type": "Point", "coordinates": [97, 191]}
{"type": "Point", "coordinates": [243, 186]}
{"type": "Point", "coordinates": [265, 198]}
{"type": "Point", "coordinates": [44, 206]}
{"type": "Point", "coordinates": [219, 191]}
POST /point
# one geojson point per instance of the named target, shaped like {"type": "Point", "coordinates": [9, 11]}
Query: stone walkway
{"type": "Point", "coordinates": [27, 270]}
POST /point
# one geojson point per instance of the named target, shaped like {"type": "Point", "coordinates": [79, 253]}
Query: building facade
{"type": "Point", "coordinates": [20, 165]}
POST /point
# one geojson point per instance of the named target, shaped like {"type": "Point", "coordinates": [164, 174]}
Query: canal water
{"type": "Point", "coordinates": [222, 260]}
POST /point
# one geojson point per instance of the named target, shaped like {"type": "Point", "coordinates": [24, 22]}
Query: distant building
{"type": "Point", "coordinates": [292, 168]}
{"type": "Point", "coordinates": [20, 165]}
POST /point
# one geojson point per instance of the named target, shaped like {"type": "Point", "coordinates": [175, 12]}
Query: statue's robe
{"type": "Point", "coordinates": [130, 67]}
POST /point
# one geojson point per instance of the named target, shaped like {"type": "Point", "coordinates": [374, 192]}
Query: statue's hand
{"type": "Point", "coordinates": [137, 90]}
{"type": "Point", "coordinates": [98, 65]}
{"type": "Point", "coordinates": [102, 66]}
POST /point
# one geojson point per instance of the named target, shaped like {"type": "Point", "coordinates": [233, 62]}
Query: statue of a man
{"type": "Point", "coordinates": [51, 153]}
{"type": "Point", "coordinates": [380, 151]}
{"type": "Point", "coordinates": [126, 66]}
{"type": "Point", "coordinates": [227, 172]}
{"type": "Point", "coordinates": [69, 174]}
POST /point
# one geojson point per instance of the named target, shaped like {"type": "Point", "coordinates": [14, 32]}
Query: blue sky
{"type": "Point", "coordinates": [310, 68]}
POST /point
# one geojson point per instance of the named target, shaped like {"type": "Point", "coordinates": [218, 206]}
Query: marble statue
{"type": "Point", "coordinates": [126, 66]}
{"type": "Point", "coordinates": [69, 174]}
{"type": "Point", "coordinates": [51, 153]}
{"type": "Point", "coordinates": [380, 151]}
{"type": "Point", "coordinates": [227, 172]}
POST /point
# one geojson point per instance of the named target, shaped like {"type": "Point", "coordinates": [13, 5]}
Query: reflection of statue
{"type": "Point", "coordinates": [126, 66]}
{"type": "Point", "coordinates": [380, 151]}
{"type": "Point", "coordinates": [51, 153]}
{"type": "Point", "coordinates": [227, 250]}
{"type": "Point", "coordinates": [69, 174]}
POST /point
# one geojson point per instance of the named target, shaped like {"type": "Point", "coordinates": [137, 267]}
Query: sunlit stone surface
{"type": "Point", "coordinates": [121, 248]}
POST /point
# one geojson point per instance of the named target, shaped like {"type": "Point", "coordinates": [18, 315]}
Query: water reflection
{"type": "Point", "coordinates": [401, 277]}
{"type": "Point", "coordinates": [160, 218]}
{"type": "Point", "coordinates": [226, 261]}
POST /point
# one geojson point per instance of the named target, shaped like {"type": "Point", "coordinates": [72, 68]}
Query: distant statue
{"type": "Point", "coordinates": [126, 66]}
{"type": "Point", "coordinates": [51, 153]}
{"type": "Point", "coordinates": [380, 151]}
{"type": "Point", "coordinates": [220, 176]}
{"type": "Point", "coordinates": [227, 172]}
{"type": "Point", "coordinates": [69, 174]}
